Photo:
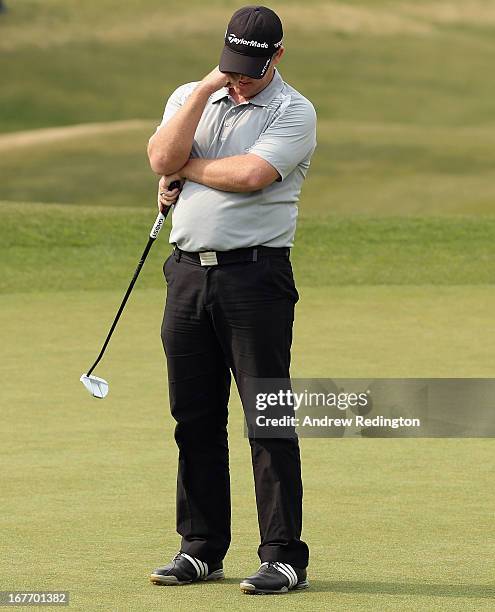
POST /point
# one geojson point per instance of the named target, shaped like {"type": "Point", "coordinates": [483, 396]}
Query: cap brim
{"type": "Point", "coordinates": [253, 67]}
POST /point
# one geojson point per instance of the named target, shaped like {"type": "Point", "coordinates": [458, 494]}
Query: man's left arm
{"type": "Point", "coordinates": [239, 173]}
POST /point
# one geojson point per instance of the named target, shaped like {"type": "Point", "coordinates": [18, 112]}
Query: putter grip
{"type": "Point", "coordinates": [160, 219]}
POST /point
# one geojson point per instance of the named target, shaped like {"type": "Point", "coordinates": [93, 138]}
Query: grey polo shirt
{"type": "Point", "coordinates": [278, 125]}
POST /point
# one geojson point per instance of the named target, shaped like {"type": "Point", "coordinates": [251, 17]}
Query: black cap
{"type": "Point", "coordinates": [253, 35]}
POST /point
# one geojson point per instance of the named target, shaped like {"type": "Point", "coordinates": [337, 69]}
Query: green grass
{"type": "Point", "coordinates": [394, 261]}
{"type": "Point", "coordinates": [405, 116]}
{"type": "Point", "coordinates": [370, 169]}
{"type": "Point", "coordinates": [103, 61]}
{"type": "Point", "coordinates": [88, 487]}
{"type": "Point", "coordinates": [52, 247]}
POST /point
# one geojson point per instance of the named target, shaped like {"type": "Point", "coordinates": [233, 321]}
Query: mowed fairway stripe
{"type": "Point", "coordinates": [29, 138]}
{"type": "Point", "coordinates": [383, 132]}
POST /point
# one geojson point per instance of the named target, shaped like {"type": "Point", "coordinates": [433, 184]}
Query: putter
{"type": "Point", "coordinates": [98, 387]}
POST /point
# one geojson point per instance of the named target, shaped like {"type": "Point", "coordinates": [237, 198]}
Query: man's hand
{"type": "Point", "coordinates": [214, 81]}
{"type": "Point", "coordinates": [170, 147]}
{"type": "Point", "coordinates": [165, 197]}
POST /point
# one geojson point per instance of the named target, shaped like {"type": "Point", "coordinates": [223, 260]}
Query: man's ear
{"type": "Point", "coordinates": [278, 56]}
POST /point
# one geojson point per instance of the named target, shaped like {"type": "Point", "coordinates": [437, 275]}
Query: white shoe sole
{"type": "Point", "coordinates": [250, 589]}
{"type": "Point", "coordinates": [160, 580]}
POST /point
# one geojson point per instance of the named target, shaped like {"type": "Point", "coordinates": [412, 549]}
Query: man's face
{"type": "Point", "coordinates": [246, 86]}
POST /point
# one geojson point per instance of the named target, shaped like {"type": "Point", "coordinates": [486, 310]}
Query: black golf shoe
{"type": "Point", "coordinates": [185, 569]}
{"type": "Point", "coordinates": [274, 577]}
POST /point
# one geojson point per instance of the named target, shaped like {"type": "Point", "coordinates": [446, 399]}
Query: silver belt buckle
{"type": "Point", "coordinates": [208, 258]}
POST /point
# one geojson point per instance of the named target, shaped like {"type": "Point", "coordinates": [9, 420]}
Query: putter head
{"type": "Point", "coordinates": [96, 386]}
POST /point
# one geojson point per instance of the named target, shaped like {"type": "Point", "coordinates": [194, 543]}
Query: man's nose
{"type": "Point", "coordinates": [239, 77]}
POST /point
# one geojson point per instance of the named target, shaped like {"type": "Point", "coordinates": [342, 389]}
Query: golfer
{"type": "Point", "coordinates": [240, 141]}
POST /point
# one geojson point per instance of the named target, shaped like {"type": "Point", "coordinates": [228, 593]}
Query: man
{"type": "Point", "coordinates": [240, 142]}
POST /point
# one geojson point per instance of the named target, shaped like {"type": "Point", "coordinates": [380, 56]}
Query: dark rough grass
{"type": "Point", "coordinates": [427, 80]}
{"type": "Point", "coordinates": [56, 247]}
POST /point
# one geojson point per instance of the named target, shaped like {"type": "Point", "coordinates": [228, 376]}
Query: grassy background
{"type": "Point", "coordinates": [394, 260]}
{"type": "Point", "coordinates": [58, 247]}
{"type": "Point", "coordinates": [401, 89]}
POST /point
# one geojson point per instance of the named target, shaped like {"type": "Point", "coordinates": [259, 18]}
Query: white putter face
{"type": "Point", "coordinates": [96, 386]}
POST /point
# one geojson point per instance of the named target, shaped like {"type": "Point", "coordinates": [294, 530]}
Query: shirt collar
{"type": "Point", "coordinates": [262, 99]}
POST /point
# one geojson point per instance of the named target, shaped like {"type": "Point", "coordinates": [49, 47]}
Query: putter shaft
{"type": "Point", "coordinates": [160, 220]}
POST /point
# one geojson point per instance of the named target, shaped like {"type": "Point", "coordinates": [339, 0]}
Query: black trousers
{"type": "Point", "coordinates": [220, 319]}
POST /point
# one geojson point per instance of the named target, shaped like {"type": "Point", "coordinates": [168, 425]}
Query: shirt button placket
{"type": "Point", "coordinates": [227, 122]}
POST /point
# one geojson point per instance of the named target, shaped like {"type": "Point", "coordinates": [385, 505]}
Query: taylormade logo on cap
{"type": "Point", "coordinates": [251, 43]}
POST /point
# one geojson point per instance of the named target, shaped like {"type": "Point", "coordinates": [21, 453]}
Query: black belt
{"type": "Point", "coordinates": [218, 258]}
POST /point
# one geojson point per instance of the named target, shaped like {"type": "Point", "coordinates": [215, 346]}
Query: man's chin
{"type": "Point", "coordinates": [244, 89]}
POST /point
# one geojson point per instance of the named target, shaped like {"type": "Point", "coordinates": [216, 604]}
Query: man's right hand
{"type": "Point", "coordinates": [165, 197]}
{"type": "Point", "coordinates": [214, 81]}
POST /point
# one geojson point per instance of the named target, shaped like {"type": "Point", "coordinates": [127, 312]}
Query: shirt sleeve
{"type": "Point", "coordinates": [289, 139]}
{"type": "Point", "coordinates": [176, 100]}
